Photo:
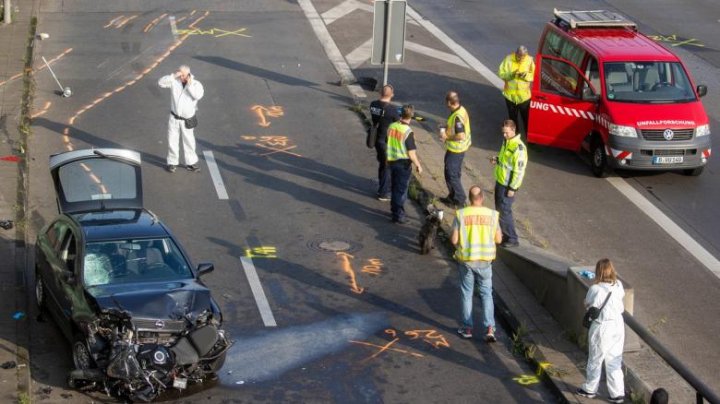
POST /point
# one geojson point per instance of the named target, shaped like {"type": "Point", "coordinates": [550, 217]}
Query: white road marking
{"type": "Point", "coordinates": [360, 54]}
{"type": "Point", "coordinates": [331, 49]}
{"type": "Point", "coordinates": [447, 57]}
{"type": "Point", "coordinates": [258, 293]}
{"type": "Point", "coordinates": [215, 175]}
{"type": "Point", "coordinates": [347, 7]}
{"type": "Point", "coordinates": [668, 225]}
{"type": "Point", "coordinates": [675, 231]}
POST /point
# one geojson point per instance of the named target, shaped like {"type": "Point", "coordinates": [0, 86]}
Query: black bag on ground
{"type": "Point", "coordinates": [593, 313]}
{"type": "Point", "coordinates": [191, 122]}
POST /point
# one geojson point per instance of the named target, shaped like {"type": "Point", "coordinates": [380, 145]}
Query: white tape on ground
{"type": "Point", "coordinates": [215, 175]}
{"type": "Point", "coordinates": [258, 293]}
{"type": "Point", "coordinates": [677, 233]}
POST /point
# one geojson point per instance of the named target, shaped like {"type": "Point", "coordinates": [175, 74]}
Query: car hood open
{"type": "Point", "coordinates": [158, 300]}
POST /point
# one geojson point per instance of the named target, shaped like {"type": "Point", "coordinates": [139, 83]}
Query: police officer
{"type": "Point", "coordinates": [383, 113]}
{"type": "Point", "coordinates": [401, 156]}
{"type": "Point", "coordinates": [456, 136]}
{"type": "Point", "coordinates": [509, 172]}
{"type": "Point", "coordinates": [517, 70]}
{"type": "Point", "coordinates": [475, 232]}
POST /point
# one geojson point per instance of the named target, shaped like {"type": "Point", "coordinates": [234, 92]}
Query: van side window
{"type": "Point", "coordinates": [558, 46]}
{"type": "Point", "coordinates": [592, 72]}
{"type": "Point", "coordinates": [559, 77]}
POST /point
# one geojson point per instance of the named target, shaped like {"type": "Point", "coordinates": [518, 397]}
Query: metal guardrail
{"type": "Point", "coordinates": [702, 390]}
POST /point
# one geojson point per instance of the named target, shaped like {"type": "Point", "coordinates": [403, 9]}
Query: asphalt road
{"type": "Point", "coordinates": [584, 218]}
{"type": "Point", "coordinates": [299, 182]}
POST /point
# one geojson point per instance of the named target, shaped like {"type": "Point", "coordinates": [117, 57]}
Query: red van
{"type": "Point", "coordinates": [604, 88]}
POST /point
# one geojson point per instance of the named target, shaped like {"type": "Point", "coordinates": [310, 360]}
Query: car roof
{"type": "Point", "coordinates": [620, 44]}
{"type": "Point", "coordinates": [119, 224]}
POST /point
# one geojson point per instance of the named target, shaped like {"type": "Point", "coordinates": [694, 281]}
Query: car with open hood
{"type": "Point", "coordinates": [119, 284]}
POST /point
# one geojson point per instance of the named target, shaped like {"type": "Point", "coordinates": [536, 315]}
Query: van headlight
{"type": "Point", "coordinates": [624, 131]}
{"type": "Point", "coordinates": [702, 130]}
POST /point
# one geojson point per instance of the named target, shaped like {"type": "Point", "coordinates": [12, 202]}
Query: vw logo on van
{"type": "Point", "coordinates": [668, 134]}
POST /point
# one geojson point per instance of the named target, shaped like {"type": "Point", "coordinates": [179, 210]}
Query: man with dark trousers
{"type": "Point", "coordinates": [401, 155]}
{"type": "Point", "coordinates": [510, 166]}
{"type": "Point", "coordinates": [383, 113]}
{"type": "Point", "coordinates": [456, 135]}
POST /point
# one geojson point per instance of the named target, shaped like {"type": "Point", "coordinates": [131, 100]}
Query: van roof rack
{"type": "Point", "coordinates": [591, 19]}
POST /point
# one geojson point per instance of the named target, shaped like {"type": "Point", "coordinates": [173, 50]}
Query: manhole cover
{"type": "Point", "coordinates": [334, 246]}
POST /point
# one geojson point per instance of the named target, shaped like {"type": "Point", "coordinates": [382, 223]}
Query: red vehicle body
{"type": "Point", "coordinates": [602, 87]}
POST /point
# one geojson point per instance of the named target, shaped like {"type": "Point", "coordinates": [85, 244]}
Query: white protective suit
{"type": "Point", "coordinates": [606, 339]}
{"type": "Point", "coordinates": [183, 102]}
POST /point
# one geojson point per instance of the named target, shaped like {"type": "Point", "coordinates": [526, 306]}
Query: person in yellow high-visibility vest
{"type": "Point", "coordinates": [476, 230]}
{"type": "Point", "coordinates": [510, 166]}
{"type": "Point", "coordinates": [456, 135]}
{"type": "Point", "coordinates": [517, 71]}
{"type": "Point", "coordinates": [401, 156]}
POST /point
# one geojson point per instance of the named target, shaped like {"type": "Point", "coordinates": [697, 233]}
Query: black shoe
{"type": "Point", "coordinates": [581, 392]}
{"type": "Point", "coordinates": [618, 399]}
{"type": "Point", "coordinates": [402, 220]}
{"type": "Point", "coordinates": [171, 168]}
{"type": "Point", "coordinates": [509, 244]}
{"type": "Point", "coordinates": [193, 167]}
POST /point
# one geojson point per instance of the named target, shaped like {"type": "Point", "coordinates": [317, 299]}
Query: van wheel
{"type": "Point", "coordinates": [693, 172]}
{"type": "Point", "coordinates": [598, 159]}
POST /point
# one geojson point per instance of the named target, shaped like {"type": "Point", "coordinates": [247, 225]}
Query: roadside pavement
{"type": "Point", "coordinates": [13, 300]}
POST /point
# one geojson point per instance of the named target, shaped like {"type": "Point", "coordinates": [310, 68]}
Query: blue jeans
{"type": "Point", "coordinates": [480, 273]}
{"type": "Point", "coordinates": [453, 171]}
{"type": "Point", "coordinates": [400, 171]}
{"type": "Point", "coordinates": [383, 170]}
{"type": "Point", "coordinates": [503, 204]}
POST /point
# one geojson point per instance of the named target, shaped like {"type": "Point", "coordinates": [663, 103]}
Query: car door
{"type": "Point", "coordinates": [60, 273]}
{"type": "Point", "coordinates": [563, 104]}
{"type": "Point", "coordinates": [97, 179]}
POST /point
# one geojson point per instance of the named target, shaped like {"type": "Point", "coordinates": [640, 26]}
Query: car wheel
{"type": "Point", "coordinates": [82, 359]}
{"type": "Point", "coordinates": [598, 159]}
{"type": "Point", "coordinates": [693, 172]}
{"type": "Point", "coordinates": [40, 293]}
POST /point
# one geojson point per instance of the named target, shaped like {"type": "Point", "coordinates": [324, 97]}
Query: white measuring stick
{"type": "Point", "coordinates": [53, 74]}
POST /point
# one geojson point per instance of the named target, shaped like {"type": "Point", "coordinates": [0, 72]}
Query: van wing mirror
{"type": "Point", "coordinates": [204, 268]}
{"type": "Point", "coordinates": [702, 90]}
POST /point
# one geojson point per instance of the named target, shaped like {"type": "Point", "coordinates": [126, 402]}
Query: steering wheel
{"type": "Point", "coordinates": [661, 84]}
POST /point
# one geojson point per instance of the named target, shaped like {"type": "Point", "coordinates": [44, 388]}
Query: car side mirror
{"type": "Point", "coordinates": [204, 269]}
{"type": "Point", "coordinates": [702, 90]}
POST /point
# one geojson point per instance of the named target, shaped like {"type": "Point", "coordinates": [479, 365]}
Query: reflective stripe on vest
{"type": "Point", "coordinates": [397, 133]}
{"type": "Point", "coordinates": [458, 146]}
{"type": "Point", "coordinates": [477, 234]}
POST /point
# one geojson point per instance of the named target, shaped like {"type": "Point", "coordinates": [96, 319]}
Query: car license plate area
{"type": "Point", "coordinates": [667, 159]}
{"type": "Point", "coordinates": [180, 383]}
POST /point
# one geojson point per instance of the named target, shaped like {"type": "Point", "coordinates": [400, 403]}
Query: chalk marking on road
{"type": "Point", "coordinates": [215, 175]}
{"type": "Point", "coordinates": [336, 58]}
{"type": "Point", "coordinates": [675, 231]}
{"type": "Point", "coordinates": [258, 293]}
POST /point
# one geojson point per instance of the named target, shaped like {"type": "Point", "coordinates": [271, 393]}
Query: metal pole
{"type": "Point", "coordinates": [7, 18]}
{"type": "Point", "coordinates": [386, 55]}
{"type": "Point", "coordinates": [53, 74]}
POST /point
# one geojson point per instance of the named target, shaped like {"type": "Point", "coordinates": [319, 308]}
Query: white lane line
{"type": "Point", "coordinates": [215, 175]}
{"type": "Point", "coordinates": [668, 225]}
{"type": "Point", "coordinates": [331, 49]}
{"type": "Point", "coordinates": [434, 53]}
{"type": "Point", "coordinates": [675, 231]}
{"type": "Point", "coordinates": [360, 54]}
{"type": "Point", "coordinates": [258, 293]}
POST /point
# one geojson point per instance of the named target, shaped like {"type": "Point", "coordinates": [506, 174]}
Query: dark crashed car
{"type": "Point", "coordinates": [120, 286]}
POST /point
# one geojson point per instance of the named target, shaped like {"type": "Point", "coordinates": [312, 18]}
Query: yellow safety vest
{"type": "Point", "coordinates": [458, 146]}
{"type": "Point", "coordinates": [478, 226]}
{"type": "Point", "coordinates": [517, 89]}
{"type": "Point", "coordinates": [512, 160]}
{"type": "Point", "coordinates": [397, 133]}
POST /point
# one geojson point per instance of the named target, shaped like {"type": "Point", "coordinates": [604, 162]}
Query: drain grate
{"type": "Point", "coordinates": [334, 246]}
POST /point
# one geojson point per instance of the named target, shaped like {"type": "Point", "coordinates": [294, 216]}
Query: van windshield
{"type": "Point", "coordinates": [647, 82]}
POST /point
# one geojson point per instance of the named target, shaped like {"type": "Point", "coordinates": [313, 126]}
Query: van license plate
{"type": "Point", "coordinates": [667, 160]}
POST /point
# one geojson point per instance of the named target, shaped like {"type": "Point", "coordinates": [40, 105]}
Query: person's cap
{"type": "Point", "coordinates": [521, 50]}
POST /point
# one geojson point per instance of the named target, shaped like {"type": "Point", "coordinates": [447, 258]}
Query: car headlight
{"type": "Point", "coordinates": [702, 130]}
{"type": "Point", "coordinates": [624, 131]}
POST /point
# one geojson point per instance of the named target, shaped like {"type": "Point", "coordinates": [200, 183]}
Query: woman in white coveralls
{"type": "Point", "coordinates": [606, 336]}
{"type": "Point", "coordinates": [184, 95]}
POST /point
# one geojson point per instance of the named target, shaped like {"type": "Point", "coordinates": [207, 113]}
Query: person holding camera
{"type": "Point", "coordinates": [517, 71]}
{"type": "Point", "coordinates": [185, 92]}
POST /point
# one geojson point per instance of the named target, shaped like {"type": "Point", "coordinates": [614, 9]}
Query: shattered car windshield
{"type": "Point", "coordinates": [131, 261]}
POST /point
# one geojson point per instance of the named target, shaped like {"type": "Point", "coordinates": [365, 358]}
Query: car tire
{"type": "Point", "coordinates": [81, 357]}
{"type": "Point", "coordinates": [598, 159]}
{"type": "Point", "coordinates": [40, 292]}
{"type": "Point", "coordinates": [693, 172]}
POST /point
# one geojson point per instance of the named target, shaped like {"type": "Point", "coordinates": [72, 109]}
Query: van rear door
{"type": "Point", "coordinates": [563, 104]}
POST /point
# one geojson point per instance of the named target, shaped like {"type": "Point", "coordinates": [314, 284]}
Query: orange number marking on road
{"type": "Point", "coordinates": [373, 267]}
{"type": "Point", "coordinates": [432, 337]}
{"type": "Point", "coordinates": [263, 112]}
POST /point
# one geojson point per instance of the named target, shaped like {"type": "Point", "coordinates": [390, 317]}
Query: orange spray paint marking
{"type": "Point", "coordinates": [347, 267]}
{"type": "Point", "coordinates": [261, 111]}
{"type": "Point", "coordinates": [42, 111]}
{"type": "Point", "coordinates": [274, 150]}
{"type": "Point", "coordinates": [113, 21]}
{"type": "Point", "coordinates": [153, 23]}
{"type": "Point", "coordinates": [432, 337]}
{"type": "Point", "coordinates": [51, 61]}
{"type": "Point", "coordinates": [275, 140]}
{"type": "Point", "coordinates": [386, 348]}
{"type": "Point", "coordinates": [125, 21]}
{"type": "Point", "coordinates": [374, 267]}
